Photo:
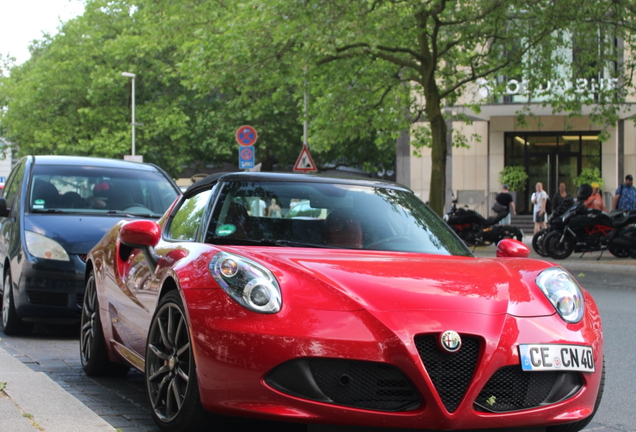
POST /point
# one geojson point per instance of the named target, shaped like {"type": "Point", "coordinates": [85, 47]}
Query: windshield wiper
{"type": "Point", "coordinates": [131, 214]}
{"type": "Point", "coordinates": [49, 211]}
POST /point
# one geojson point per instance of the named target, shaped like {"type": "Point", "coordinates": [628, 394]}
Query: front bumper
{"type": "Point", "coordinates": [240, 354]}
{"type": "Point", "coordinates": [51, 291]}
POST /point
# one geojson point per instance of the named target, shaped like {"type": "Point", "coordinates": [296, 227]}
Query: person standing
{"type": "Point", "coordinates": [560, 197]}
{"type": "Point", "coordinates": [274, 209]}
{"type": "Point", "coordinates": [539, 198]}
{"type": "Point", "coordinates": [625, 195]}
{"type": "Point", "coordinates": [505, 199]}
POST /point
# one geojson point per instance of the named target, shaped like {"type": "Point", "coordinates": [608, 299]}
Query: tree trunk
{"type": "Point", "coordinates": [436, 196]}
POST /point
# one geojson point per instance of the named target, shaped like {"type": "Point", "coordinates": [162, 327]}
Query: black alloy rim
{"type": "Point", "coordinates": [89, 315]}
{"type": "Point", "coordinates": [168, 362]}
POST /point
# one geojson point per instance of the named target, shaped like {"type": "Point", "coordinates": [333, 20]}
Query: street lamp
{"type": "Point", "coordinates": [132, 75]}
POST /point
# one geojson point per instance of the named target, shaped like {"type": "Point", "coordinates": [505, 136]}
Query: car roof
{"type": "Point", "coordinates": [290, 177]}
{"type": "Point", "coordinates": [91, 161]}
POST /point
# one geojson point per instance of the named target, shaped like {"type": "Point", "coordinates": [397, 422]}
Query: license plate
{"type": "Point", "coordinates": [542, 357]}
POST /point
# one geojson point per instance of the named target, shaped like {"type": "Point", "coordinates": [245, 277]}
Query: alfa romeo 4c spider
{"type": "Point", "coordinates": [364, 309]}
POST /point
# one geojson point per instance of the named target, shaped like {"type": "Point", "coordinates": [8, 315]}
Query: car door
{"type": "Point", "coordinates": [141, 284]}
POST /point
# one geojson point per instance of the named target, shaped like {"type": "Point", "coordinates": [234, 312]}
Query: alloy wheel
{"type": "Point", "coordinates": [168, 362]}
{"type": "Point", "coordinates": [6, 304]}
{"type": "Point", "coordinates": [89, 313]}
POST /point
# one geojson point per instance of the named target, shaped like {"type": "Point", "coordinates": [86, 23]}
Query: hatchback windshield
{"type": "Point", "coordinates": [329, 215]}
{"type": "Point", "coordinates": [75, 189]}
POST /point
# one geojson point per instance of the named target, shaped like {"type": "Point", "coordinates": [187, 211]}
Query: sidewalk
{"type": "Point", "coordinates": [576, 262]}
{"type": "Point", "coordinates": [30, 402]}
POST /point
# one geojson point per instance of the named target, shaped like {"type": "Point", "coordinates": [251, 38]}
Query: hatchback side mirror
{"type": "Point", "coordinates": [4, 211]}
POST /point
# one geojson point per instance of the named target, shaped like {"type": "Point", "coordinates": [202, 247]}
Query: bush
{"type": "Point", "coordinates": [515, 177]}
{"type": "Point", "coordinates": [589, 176]}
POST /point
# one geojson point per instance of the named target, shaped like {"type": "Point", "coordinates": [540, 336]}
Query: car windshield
{"type": "Point", "coordinates": [329, 215]}
{"type": "Point", "coordinates": [99, 190]}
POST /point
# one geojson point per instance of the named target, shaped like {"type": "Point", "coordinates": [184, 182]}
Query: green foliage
{"type": "Point", "coordinates": [589, 176]}
{"type": "Point", "coordinates": [515, 177]}
{"type": "Point", "coordinates": [369, 71]}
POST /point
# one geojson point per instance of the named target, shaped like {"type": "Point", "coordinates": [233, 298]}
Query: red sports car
{"type": "Point", "coordinates": [368, 311]}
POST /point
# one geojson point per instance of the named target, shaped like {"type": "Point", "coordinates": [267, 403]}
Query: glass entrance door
{"type": "Point", "coordinates": [551, 158]}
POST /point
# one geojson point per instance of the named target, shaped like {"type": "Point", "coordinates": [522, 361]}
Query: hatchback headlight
{"type": "Point", "coordinates": [43, 247]}
{"type": "Point", "coordinates": [247, 282]}
{"type": "Point", "coordinates": [563, 292]}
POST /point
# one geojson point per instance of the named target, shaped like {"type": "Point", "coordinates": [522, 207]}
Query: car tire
{"type": "Point", "coordinates": [537, 242]}
{"type": "Point", "coordinates": [558, 248]}
{"type": "Point", "coordinates": [93, 352]}
{"type": "Point", "coordinates": [11, 322]}
{"type": "Point", "coordinates": [577, 426]}
{"type": "Point", "coordinates": [170, 372]}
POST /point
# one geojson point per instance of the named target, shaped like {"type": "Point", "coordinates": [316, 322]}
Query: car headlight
{"type": "Point", "coordinates": [43, 247]}
{"type": "Point", "coordinates": [563, 292]}
{"type": "Point", "coordinates": [250, 284]}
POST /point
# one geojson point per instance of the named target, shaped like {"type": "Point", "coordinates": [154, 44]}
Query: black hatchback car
{"type": "Point", "coordinates": [53, 210]}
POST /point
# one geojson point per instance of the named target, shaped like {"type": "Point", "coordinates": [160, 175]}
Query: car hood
{"type": "Point", "coordinates": [390, 281]}
{"type": "Point", "coordinates": [76, 233]}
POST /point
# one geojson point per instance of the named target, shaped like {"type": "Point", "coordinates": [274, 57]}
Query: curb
{"type": "Point", "coordinates": [37, 397]}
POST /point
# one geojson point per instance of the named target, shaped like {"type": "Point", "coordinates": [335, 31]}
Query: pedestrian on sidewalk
{"type": "Point", "coordinates": [625, 195]}
{"type": "Point", "coordinates": [539, 199]}
{"type": "Point", "coordinates": [505, 199]}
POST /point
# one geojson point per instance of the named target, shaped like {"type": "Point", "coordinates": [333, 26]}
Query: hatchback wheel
{"type": "Point", "coordinates": [171, 381]}
{"type": "Point", "coordinates": [11, 322]}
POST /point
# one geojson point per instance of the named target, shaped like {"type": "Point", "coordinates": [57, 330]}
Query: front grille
{"type": "Point", "coordinates": [512, 389]}
{"type": "Point", "coordinates": [48, 298]}
{"type": "Point", "coordinates": [363, 384]}
{"type": "Point", "coordinates": [359, 384]}
{"type": "Point", "coordinates": [450, 373]}
{"type": "Point", "coordinates": [80, 299]}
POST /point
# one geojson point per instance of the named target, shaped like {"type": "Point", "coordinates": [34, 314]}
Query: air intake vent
{"type": "Point", "coordinates": [511, 389]}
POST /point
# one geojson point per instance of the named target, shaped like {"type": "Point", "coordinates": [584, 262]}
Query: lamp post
{"type": "Point", "coordinates": [132, 76]}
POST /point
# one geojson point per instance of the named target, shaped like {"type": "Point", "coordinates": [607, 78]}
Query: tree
{"type": "Point", "coordinates": [380, 66]}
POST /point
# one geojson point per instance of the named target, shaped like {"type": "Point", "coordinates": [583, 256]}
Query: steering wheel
{"type": "Point", "coordinates": [387, 240]}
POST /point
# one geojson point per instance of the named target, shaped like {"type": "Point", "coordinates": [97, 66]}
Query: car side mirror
{"type": "Point", "coordinates": [144, 235]}
{"type": "Point", "coordinates": [510, 248]}
{"type": "Point", "coordinates": [4, 211]}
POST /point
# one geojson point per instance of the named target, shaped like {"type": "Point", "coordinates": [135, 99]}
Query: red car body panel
{"type": "Point", "coordinates": [358, 305]}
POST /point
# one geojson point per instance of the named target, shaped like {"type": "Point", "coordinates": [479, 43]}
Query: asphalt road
{"type": "Point", "coordinates": [122, 402]}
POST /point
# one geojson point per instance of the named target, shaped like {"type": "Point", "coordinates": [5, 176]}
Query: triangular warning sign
{"type": "Point", "coordinates": [305, 163]}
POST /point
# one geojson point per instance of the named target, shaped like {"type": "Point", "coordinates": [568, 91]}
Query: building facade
{"type": "Point", "coordinates": [553, 148]}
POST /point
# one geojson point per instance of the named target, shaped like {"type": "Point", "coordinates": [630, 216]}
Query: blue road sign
{"type": "Point", "coordinates": [246, 157]}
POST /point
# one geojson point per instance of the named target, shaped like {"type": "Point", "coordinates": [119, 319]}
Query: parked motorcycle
{"type": "Point", "coordinates": [554, 222]}
{"type": "Point", "coordinates": [475, 230]}
{"type": "Point", "coordinates": [585, 230]}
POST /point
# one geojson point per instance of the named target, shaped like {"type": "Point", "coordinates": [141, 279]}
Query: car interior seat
{"type": "Point", "coordinates": [115, 198]}
{"type": "Point", "coordinates": [343, 229]}
{"type": "Point", "coordinates": [46, 192]}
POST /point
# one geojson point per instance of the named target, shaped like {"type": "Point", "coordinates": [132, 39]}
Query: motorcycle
{"type": "Point", "coordinates": [586, 230]}
{"type": "Point", "coordinates": [554, 221]}
{"type": "Point", "coordinates": [475, 230]}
